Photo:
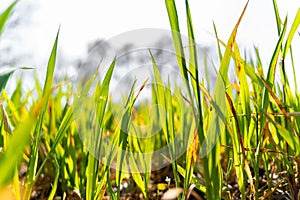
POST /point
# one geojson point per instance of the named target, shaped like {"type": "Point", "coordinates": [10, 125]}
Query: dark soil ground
{"type": "Point", "coordinates": [280, 186]}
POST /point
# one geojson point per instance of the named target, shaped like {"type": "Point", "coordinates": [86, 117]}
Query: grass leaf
{"type": "Point", "coordinates": [6, 14]}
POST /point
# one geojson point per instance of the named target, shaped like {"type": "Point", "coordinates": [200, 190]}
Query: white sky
{"type": "Point", "coordinates": [83, 21]}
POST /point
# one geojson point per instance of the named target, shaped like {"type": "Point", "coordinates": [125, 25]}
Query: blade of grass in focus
{"type": "Point", "coordinates": [164, 99]}
{"type": "Point", "coordinates": [191, 156]}
{"type": "Point", "coordinates": [101, 98]}
{"type": "Point", "coordinates": [271, 76]}
{"type": "Point", "coordinates": [174, 23]}
{"type": "Point", "coordinates": [33, 162]}
{"type": "Point", "coordinates": [4, 16]}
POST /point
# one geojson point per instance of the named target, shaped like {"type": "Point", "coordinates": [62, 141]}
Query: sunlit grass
{"type": "Point", "coordinates": [243, 127]}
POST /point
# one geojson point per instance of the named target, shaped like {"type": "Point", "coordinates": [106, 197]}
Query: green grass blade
{"type": "Point", "coordinates": [288, 136]}
{"type": "Point", "coordinates": [102, 184]}
{"type": "Point", "coordinates": [121, 134]}
{"type": "Point", "coordinates": [20, 138]}
{"type": "Point", "coordinates": [160, 95]}
{"type": "Point", "coordinates": [16, 184]}
{"type": "Point", "coordinates": [193, 61]}
{"type": "Point", "coordinates": [218, 42]}
{"type": "Point", "coordinates": [33, 163]}
{"type": "Point", "coordinates": [193, 69]}
{"type": "Point", "coordinates": [278, 19]}
{"type": "Point", "coordinates": [91, 176]}
{"type": "Point", "coordinates": [294, 71]}
{"type": "Point", "coordinates": [177, 43]}
{"type": "Point", "coordinates": [273, 63]}
{"type": "Point", "coordinates": [136, 175]}
{"type": "Point", "coordinates": [216, 118]}
{"type": "Point", "coordinates": [4, 76]}
{"type": "Point", "coordinates": [6, 14]}
{"type": "Point", "coordinates": [50, 68]}
{"type": "Point", "coordinates": [244, 87]}
{"type": "Point", "coordinates": [101, 95]}
{"type": "Point", "coordinates": [291, 34]}
{"type": "Point", "coordinates": [102, 98]}
{"type": "Point", "coordinates": [65, 124]}
{"type": "Point", "coordinates": [55, 184]}
{"type": "Point", "coordinates": [171, 132]}
{"type": "Point", "coordinates": [271, 75]}
{"type": "Point", "coordinates": [248, 69]}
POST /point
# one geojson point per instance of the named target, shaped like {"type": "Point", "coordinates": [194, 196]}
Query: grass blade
{"type": "Point", "coordinates": [218, 42]}
{"type": "Point", "coordinates": [5, 15]}
{"type": "Point", "coordinates": [5, 74]}
{"type": "Point", "coordinates": [278, 19]}
{"type": "Point", "coordinates": [33, 163]}
{"type": "Point", "coordinates": [217, 117]}
{"type": "Point", "coordinates": [271, 75]}
{"type": "Point", "coordinates": [291, 34]}
{"type": "Point", "coordinates": [14, 151]}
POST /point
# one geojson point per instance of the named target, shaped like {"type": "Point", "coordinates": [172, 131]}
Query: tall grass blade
{"type": "Point", "coordinates": [4, 16]}
{"type": "Point", "coordinates": [101, 98]}
{"type": "Point", "coordinates": [277, 16]}
{"type": "Point", "coordinates": [33, 163]}
{"type": "Point", "coordinates": [193, 69]}
{"type": "Point", "coordinates": [217, 119]}
{"type": "Point", "coordinates": [177, 43]}
{"type": "Point", "coordinates": [271, 75]}
{"type": "Point", "coordinates": [218, 42]}
{"type": "Point", "coordinates": [121, 134]}
{"type": "Point", "coordinates": [291, 34]}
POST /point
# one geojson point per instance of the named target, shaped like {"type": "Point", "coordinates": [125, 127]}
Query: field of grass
{"type": "Point", "coordinates": [242, 139]}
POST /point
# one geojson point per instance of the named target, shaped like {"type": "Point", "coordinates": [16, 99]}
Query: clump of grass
{"type": "Point", "coordinates": [246, 133]}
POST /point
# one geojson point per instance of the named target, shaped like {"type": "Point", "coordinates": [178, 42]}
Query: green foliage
{"type": "Point", "coordinates": [251, 122]}
{"type": "Point", "coordinates": [4, 16]}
